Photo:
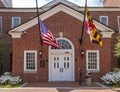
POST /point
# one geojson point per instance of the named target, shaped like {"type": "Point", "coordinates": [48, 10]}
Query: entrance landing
{"type": "Point", "coordinates": [60, 84]}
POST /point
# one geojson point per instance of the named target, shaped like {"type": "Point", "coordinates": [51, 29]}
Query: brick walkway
{"type": "Point", "coordinates": [59, 84]}
{"type": "Point", "coordinates": [59, 87]}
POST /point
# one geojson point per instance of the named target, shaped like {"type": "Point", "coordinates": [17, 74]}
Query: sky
{"type": "Point", "coordinates": [32, 3]}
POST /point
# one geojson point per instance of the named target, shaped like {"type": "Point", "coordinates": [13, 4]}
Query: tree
{"type": "Point", "coordinates": [117, 48]}
{"type": "Point", "coordinates": [4, 50]}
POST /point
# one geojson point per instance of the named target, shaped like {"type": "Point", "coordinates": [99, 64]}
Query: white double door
{"type": "Point", "coordinates": [61, 67]}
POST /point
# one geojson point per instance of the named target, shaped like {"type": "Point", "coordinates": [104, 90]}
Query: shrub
{"type": "Point", "coordinates": [14, 80]}
{"type": "Point", "coordinates": [116, 69]}
{"type": "Point", "coordinates": [6, 78]}
{"type": "Point", "coordinates": [111, 78]}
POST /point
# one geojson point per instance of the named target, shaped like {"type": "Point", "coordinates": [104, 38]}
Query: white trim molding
{"type": "Point", "coordinates": [30, 70]}
{"type": "Point", "coordinates": [90, 59]}
{"type": "Point", "coordinates": [13, 21]}
{"type": "Point", "coordinates": [107, 34]}
{"type": "Point", "coordinates": [16, 35]}
{"type": "Point", "coordinates": [106, 22]}
{"type": "Point", "coordinates": [118, 20]}
{"type": "Point", "coordinates": [0, 25]}
{"type": "Point", "coordinates": [70, 51]}
{"type": "Point", "coordinates": [7, 3]}
{"type": "Point", "coordinates": [52, 12]}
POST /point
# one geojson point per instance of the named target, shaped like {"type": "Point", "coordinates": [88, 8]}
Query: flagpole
{"type": "Point", "coordinates": [81, 38]}
{"type": "Point", "coordinates": [38, 22]}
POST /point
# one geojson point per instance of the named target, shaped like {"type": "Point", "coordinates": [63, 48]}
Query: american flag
{"type": "Point", "coordinates": [47, 36]}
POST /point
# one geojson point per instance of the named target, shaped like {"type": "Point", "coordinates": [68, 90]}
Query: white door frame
{"type": "Point", "coordinates": [61, 51]}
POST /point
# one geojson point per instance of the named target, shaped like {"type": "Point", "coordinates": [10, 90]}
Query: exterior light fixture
{"type": "Point", "coordinates": [82, 52]}
{"type": "Point", "coordinates": [40, 53]}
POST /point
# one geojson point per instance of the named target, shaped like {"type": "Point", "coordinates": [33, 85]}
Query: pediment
{"type": "Point", "coordinates": [50, 12]}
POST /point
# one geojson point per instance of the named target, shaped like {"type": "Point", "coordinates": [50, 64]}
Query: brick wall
{"type": "Point", "coordinates": [6, 25]}
{"type": "Point", "coordinates": [71, 28]}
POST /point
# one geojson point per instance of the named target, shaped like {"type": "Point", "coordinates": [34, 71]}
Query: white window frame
{"type": "Point", "coordinates": [118, 19]}
{"type": "Point", "coordinates": [1, 25]}
{"type": "Point", "coordinates": [98, 63]}
{"type": "Point", "coordinates": [13, 21]}
{"type": "Point", "coordinates": [104, 17]}
{"type": "Point", "coordinates": [29, 70]}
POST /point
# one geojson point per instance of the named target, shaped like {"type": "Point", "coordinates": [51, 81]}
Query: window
{"type": "Point", "coordinates": [0, 25]}
{"type": "Point", "coordinates": [104, 19]}
{"type": "Point", "coordinates": [118, 18]}
{"type": "Point", "coordinates": [15, 21]}
{"type": "Point", "coordinates": [30, 60]}
{"type": "Point", "coordinates": [1, 64]}
{"type": "Point", "coordinates": [63, 44]}
{"type": "Point", "coordinates": [92, 58]}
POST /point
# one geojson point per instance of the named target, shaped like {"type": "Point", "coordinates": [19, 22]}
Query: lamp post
{"type": "Point", "coordinates": [82, 52]}
{"type": "Point", "coordinates": [80, 76]}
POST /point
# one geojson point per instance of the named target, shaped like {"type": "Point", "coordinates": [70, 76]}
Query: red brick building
{"type": "Point", "coordinates": [64, 19]}
{"type": "Point", "coordinates": [111, 3]}
{"type": "Point", "coordinates": [6, 3]}
{"type": "Point", "coordinates": [5, 65]}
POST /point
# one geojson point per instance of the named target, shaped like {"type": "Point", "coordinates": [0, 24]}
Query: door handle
{"type": "Point", "coordinates": [60, 70]}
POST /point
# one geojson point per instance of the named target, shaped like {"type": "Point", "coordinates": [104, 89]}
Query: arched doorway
{"type": "Point", "coordinates": [61, 61]}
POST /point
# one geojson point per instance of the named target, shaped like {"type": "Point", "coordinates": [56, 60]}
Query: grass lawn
{"type": "Point", "coordinates": [11, 86]}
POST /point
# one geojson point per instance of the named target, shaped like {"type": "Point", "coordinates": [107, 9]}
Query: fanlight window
{"type": "Point", "coordinates": [63, 44]}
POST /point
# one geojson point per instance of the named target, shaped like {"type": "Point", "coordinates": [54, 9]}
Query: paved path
{"type": "Point", "coordinates": [58, 90]}
{"type": "Point", "coordinates": [59, 87]}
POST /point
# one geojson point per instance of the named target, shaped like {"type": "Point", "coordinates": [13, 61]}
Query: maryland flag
{"type": "Point", "coordinates": [91, 29]}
